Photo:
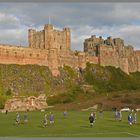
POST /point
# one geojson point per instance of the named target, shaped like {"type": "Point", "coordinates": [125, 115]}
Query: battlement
{"type": "Point", "coordinates": [48, 27]}
{"type": "Point", "coordinates": [66, 29]}
{"type": "Point", "coordinates": [52, 47]}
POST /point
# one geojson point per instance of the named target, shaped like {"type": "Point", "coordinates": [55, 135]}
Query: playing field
{"type": "Point", "coordinates": [75, 125]}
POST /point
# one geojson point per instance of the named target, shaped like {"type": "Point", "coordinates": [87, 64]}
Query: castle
{"type": "Point", "coordinates": [52, 48]}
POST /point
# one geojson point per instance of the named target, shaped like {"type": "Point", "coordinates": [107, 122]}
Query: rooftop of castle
{"type": "Point", "coordinates": [49, 26]}
{"type": "Point", "coordinates": [100, 37]}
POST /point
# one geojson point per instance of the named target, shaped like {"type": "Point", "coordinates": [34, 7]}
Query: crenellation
{"type": "Point", "coordinates": [113, 52]}
{"type": "Point", "coordinates": [51, 47]}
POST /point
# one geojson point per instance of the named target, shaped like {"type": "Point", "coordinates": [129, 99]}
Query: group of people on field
{"type": "Point", "coordinates": [18, 120]}
{"type": "Point", "coordinates": [131, 116]}
{"type": "Point", "coordinates": [92, 117]}
{"type": "Point", "coordinates": [49, 117]}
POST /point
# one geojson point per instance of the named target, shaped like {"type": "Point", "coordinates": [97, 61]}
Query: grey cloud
{"type": "Point", "coordinates": [13, 36]}
{"type": "Point", "coordinates": [84, 19]}
{"type": "Point", "coordinates": [74, 13]}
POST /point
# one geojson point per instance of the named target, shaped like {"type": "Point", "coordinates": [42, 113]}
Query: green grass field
{"type": "Point", "coordinates": [75, 125]}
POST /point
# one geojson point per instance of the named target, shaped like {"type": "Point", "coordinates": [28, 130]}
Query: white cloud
{"type": "Point", "coordinates": [101, 19]}
{"type": "Point", "coordinates": [129, 33]}
{"type": "Point", "coordinates": [13, 36]}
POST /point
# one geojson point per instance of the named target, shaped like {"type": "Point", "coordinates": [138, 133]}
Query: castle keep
{"type": "Point", "coordinates": [52, 48]}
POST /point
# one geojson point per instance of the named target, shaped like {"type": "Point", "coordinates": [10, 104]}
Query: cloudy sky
{"type": "Point", "coordinates": [84, 19]}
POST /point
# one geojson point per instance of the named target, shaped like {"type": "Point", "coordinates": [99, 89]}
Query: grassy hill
{"type": "Point", "coordinates": [72, 86]}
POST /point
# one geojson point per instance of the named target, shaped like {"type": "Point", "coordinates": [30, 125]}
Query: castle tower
{"type": "Point", "coordinates": [53, 61]}
{"type": "Point", "coordinates": [49, 38]}
{"type": "Point", "coordinates": [55, 42]}
{"type": "Point", "coordinates": [68, 37]}
{"type": "Point", "coordinates": [31, 34]}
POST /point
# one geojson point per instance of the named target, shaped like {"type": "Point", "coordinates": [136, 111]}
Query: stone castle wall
{"type": "Point", "coordinates": [21, 55]}
{"type": "Point", "coordinates": [52, 48]}
{"type": "Point", "coordinates": [49, 47]}
{"type": "Point", "coordinates": [113, 52]}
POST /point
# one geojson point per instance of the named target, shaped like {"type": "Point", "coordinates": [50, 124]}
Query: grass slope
{"type": "Point", "coordinates": [69, 87]}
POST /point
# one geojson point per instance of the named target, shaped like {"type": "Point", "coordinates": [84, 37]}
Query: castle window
{"type": "Point", "coordinates": [60, 47]}
{"type": "Point", "coordinates": [37, 55]}
{"type": "Point", "coordinates": [30, 54]}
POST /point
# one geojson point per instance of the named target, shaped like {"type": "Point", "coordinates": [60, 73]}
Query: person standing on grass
{"type": "Point", "coordinates": [94, 115]}
{"type": "Point", "coordinates": [6, 112]}
{"type": "Point", "coordinates": [91, 119]}
{"type": "Point", "coordinates": [65, 114]}
{"type": "Point", "coordinates": [116, 114]}
{"type": "Point", "coordinates": [135, 117]}
{"type": "Point", "coordinates": [101, 113]}
{"type": "Point", "coordinates": [51, 119]}
{"type": "Point", "coordinates": [120, 115]}
{"type": "Point", "coordinates": [45, 120]}
{"type": "Point", "coordinates": [17, 118]}
{"type": "Point", "coordinates": [130, 119]}
{"type": "Point", "coordinates": [25, 117]}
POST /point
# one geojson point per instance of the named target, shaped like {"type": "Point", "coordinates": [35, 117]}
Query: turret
{"type": "Point", "coordinates": [67, 33]}
{"type": "Point", "coordinates": [118, 42]}
{"type": "Point", "coordinates": [31, 33]}
{"type": "Point", "coordinates": [109, 41]}
{"type": "Point", "coordinates": [48, 27]}
{"type": "Point", "coordinates": [49, 39]}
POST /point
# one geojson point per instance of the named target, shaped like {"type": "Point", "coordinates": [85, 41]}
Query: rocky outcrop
{"type": "Point", "coordinates": [26, 103]}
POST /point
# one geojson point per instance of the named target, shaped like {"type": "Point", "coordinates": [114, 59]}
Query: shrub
{"type": "Point", "coordinates": [2, 101]}
{"type": "Point", "coordinates": [65, 97]}
{"type": "Point", "coordinates": [8, 92]}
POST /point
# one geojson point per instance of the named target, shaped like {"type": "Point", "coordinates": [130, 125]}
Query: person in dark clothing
{"type": "Point", "coordinates": [91, 119]}
{"type": "Point", "coordinates": [6, 112]}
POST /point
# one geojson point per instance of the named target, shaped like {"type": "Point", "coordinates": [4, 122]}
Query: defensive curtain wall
{"type": "Point", "coordinates": [113, 52]}
{"type": "Point", "coordinates": [52, 48]}
{"type": "Point", "coordinates": [48, 47]}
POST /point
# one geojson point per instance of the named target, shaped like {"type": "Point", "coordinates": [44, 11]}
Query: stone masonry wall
{"type": "Point", "coordinates": [113, 52]}
{"type": "Point", "coordinates": [52, 48]}
{"type": "Point", "coordinates": [22, 55]}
